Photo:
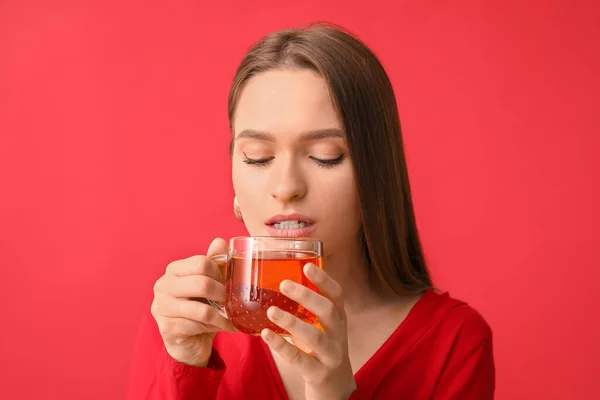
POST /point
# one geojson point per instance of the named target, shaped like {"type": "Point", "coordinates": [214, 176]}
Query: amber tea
{"type": "Point", "coordinates": [253, 287]}
{"type": "Point", "coordinates": [253, 276]}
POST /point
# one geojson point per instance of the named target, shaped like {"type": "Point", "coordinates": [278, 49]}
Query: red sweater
{"type": "Point", "coordinates": [442, 350]}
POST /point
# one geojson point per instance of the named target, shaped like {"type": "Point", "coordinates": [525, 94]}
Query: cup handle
{"type": "Point", "coordinates": [221, 260]}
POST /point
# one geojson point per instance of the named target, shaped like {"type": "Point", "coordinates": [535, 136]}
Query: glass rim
{"type": "Point", "coordinates": [282, 238]}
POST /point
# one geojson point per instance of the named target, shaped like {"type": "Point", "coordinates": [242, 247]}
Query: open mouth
{"type": "Point", "coordinates": [291, 224]}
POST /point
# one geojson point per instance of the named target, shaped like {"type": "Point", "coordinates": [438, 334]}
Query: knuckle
{"type": "Point", "coordinates": [164, 326]}
{"type": "Point", "coordinates": [288, 320]}
{"type": "Point", "coordinates": [158, 285]}
{"type": "Point", "coordinates": [318, 338]}
{"type": "Point", "coordinates": [193, 264]}
{"type": "Point", "coordinates": [163, 286]}
{"type": "Point", "coordinates": [168, 287]}
{"type": "Point", "coordinates": [203, 314]}
{"type": "Point", "coordinates": [207, 267]}
{"type": "Point", "coordinates": [201, 264]}
{"type": "Point", "coordinates": [205, 286]}
{"type": "Point", "coordinates": [155, 309]}
{"type": "Point", "coordinates": [295, 357]}
{"type": "Point", "coordinates": [336, 290]}
{"type": "Point", "coordinates": [329, 311]}
{"type": "Point", "coordinates": [303, 293]}
{"type": "Point", "coordinates": [279, 346]}
{"type": "Point", "coordinates": [172, 266]}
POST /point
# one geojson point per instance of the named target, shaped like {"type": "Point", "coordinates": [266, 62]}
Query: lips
{"type": "Point", "coordinates": [288, 218]}
{"type": "Point", "coordinates": [290, 225]}
{"type": "Point", "coordinates": [295, 224]}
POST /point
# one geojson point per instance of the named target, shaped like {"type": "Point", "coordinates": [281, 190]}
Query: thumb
{"type": "Point", "coordinates": [218, 246]}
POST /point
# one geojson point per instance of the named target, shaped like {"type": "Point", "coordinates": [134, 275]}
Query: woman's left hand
{"type": "Point", "coordinates": [326, 368]}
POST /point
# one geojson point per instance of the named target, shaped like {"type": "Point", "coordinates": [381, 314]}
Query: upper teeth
{"type": "Point", "coordinates": [290, 224]}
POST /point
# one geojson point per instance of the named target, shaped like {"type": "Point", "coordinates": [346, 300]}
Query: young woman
{"type": "Point", "coordinates": [316, 138]}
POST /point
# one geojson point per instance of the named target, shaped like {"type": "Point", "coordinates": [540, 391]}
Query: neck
{"type": "Point", "coordinates": [359, 292]}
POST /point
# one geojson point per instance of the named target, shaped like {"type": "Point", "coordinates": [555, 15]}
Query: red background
{"type": "Point", "coordinates": [113, 162]}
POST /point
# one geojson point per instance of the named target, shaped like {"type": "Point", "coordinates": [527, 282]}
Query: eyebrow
{"type": "Point", "coordinates": [304, 136]}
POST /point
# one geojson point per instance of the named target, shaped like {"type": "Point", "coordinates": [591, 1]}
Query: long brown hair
{"type": "Point", "coordinates": [364, 100]}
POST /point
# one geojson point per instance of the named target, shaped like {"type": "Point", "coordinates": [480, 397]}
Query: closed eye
{"type": "Point", "coordinates": [321, 162]}
{"type": "Point", "coordinates": [328, 162]}
{"type": "Point", "coordinates": [257, 161]}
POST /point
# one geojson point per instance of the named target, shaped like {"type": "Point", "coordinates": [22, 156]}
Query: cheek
{"type": "Point", "coordinates": [249, 189]}
{"type": "Point", "coordinates": [340, 215]}
{"type": "Point", "coordinates": [338, 199]}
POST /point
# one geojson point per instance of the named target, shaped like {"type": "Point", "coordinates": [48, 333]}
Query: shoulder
{"type": "Point", "coordinates": [453, 317]}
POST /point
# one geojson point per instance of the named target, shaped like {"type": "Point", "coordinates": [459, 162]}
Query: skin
{"type": "Point", "coordinates": [288, 106]}
{"type": "Point", "coordinates": [290, 156]}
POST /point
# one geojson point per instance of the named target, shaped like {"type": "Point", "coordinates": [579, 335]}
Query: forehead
{"type": "Point", "coordinates": [285, 101]}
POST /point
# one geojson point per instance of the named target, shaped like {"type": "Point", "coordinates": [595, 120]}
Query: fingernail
{"type": "Point", "coordinates": [267, 334]}
{"type": "Point", "coordinates": [287, 287]}
{"type": "Point", "coordinates": [276, 313]}
{"type": "Point", "coordinates": [311, 269]}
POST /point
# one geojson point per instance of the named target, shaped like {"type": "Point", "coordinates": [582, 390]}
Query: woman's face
{"type": "Point", "coordinates": [292, 173]}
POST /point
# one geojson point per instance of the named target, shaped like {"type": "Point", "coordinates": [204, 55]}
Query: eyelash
{"type": "Point", "coordinates": [329, 163]}
{"type": "Point", "coordinates": [263, 162]}
{"type": "Point", "coordinates": [258, 162]}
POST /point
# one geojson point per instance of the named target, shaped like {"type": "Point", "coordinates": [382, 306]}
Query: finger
{"type": "Point", "coordinates": [313, 338]}
{"type": "Point", "coordinates": [194, 311]}
{"type": "Point", "coordinates": [325, 310]}
{"type": "Point", "coordinates": [195, 265]}
{"type": "Point", "coordinates": [192, 286]}
{"type": "Point", "coordinates": [217, 246]}
{"type": "Point", "coordinates": [326, 285]}
{"type": "Point", "coordinates": [174, 328]}
{"type": "Point", "coordinates": [290, 353]}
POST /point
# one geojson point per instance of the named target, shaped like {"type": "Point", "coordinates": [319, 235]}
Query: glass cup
{"type": "Point", "coordinates": [252, 270]}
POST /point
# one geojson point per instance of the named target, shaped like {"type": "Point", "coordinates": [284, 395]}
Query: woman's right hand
{"type": "Point", "coordinates": [188, 326]}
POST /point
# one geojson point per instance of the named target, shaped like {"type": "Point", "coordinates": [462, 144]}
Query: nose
{"type": "Point", "coordinates": [287, 181]}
